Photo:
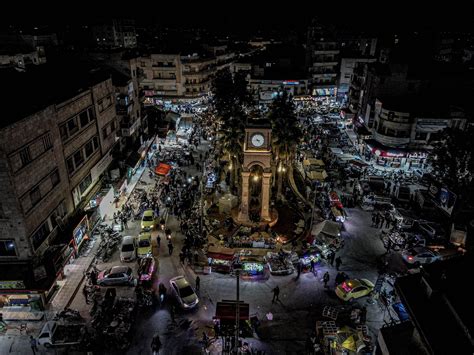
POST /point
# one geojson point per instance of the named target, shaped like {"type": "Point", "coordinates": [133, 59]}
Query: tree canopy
{"type": "Point", "coordinates": [452, 159]}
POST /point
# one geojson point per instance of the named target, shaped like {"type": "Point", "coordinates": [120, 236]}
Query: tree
{"type": "Point", "coordinates": [286, 134]}
{"type": "Point", "coordinates": [231, 101]}
{"type": "Point", "coordinates": [452, 160]}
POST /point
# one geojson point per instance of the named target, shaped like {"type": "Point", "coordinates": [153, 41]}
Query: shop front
{"type": "Point", "coordinates": [220, 259]}
{"type": "Point", "coordinates": [80, 233]}
{"type": "Point", "coordinates": [19, 303]}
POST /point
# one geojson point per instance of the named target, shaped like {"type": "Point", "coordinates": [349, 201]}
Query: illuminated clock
{"type": "Point", "coordinates": [257, 140]}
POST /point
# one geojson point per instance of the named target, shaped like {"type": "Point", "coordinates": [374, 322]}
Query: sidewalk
{"type": "Point", "coordinates": [75, 272]}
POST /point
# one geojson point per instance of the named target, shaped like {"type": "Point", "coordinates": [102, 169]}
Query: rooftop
{"type": "Point", "coordinates": [25, 93]}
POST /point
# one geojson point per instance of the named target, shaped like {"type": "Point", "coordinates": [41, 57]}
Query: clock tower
{"type": "Point", "coordinates": [257, 152]}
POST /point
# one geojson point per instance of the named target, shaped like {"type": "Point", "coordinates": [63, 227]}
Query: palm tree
{"type": "Point", "coordinates": [286, 134]}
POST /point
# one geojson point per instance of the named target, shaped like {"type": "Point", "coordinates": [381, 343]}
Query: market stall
{"type": "Point", "coordinates": [163, 169]}
{"type": "Point", "coordinates": [255, 240]}
{"type": "Point", "coordinates": [279, 263]}
{"type": "Point", "coordinates": [220, 258]}
{"type": "Point", "coordinates": [306, 257]}
{"type": "Point", "coordinates": [254, 266]}
{"type": "Point", "coordinates": [327, 237]}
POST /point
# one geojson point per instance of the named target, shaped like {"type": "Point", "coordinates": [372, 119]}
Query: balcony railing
{"type": "Point", "coordinates": [390, 140]}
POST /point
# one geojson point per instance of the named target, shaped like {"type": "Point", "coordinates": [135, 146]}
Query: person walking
{"type": "Point", "coordinates": [338, 263]}
{"type": "Point", "coordinates": [158, 241]}
{"type": "Point", "coordinates": [326, 278]}
{"type": "Point", "coordinates": [331, 258]}
{"type": "Point", "coordinates": [198, 283]}
{"type": "Point", "coordinates": [156, 344]}
{"type": "Point", "coordinates": [94, 277]}
{"type": "Point", "coordinates": [298, 269]}
{"type": "Point", "coordinates": [276, 293]}
{"type": "Point", "coordinates": [170, 248]}
{"type": "Point", "coordinates": [33, 344]}
{"type": "Point", "coordinates": [86, 294]}
{"type": "Point", "coordinates": [312, 265]}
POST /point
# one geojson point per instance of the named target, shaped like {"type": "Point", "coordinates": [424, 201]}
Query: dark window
{"type": "Point", "coordinates": [25, 156]}
{"type": "Point", "coordinates": [7, 247]}
{"type": "Point", "coordinates": [95, 143]}
{"type": "Point", "coordinates": [63, 132]}
{"type": "Point", "coordinates": [84, 118]}
{"type": "Point", "coordinates": [40, 235]}
{"type": "Point", "coordinates": [78, 158]}
{"type": "Point", "coordinates": [421, 136]}
{"type": "Point", "coordinates": [70, 165]}
{"type": "Point", "coordinates": [54, 178]}
{"type": "Point", "coordinates": [112, 126]}
{"type": "Point", "coordinates": [72, 126]}
{"type": "Point", "coordinates": [47, 142]}
{"type": "Point", "coordinates": [35, 195]}
{"type": "Point", "coordinates": [85, 183]}
{"type": "Point", "coordinates": [89, 149]}
{"type": "Point", "coordinates": [91, 113]}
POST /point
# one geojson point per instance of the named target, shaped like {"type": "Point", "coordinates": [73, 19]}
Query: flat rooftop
{"type": "Point", "coordinates": [25, 93]}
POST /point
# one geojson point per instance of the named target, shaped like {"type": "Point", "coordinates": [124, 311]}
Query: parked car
{"type": "Point", "coordinates": [146, 268]}
{"type": "Point", "coordinates": [144, 245]}
{"type": "Point", "coordinates": [185, 294]}
{"type": "Point", "coordinates": [148, 220]}
{"type": "Point", "coordinates": [116, 275]}
{"type": "Point", "coordinates": [127, 249]}
{"type": "Point", "coordinates": [420, 255]}
{"type": "Point", "coordinates": [54, 334]}
{"type": "Point", "coordinates": [355, 288]}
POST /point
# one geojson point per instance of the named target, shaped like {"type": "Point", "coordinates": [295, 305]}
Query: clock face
{"type": "Point", "coordinates": [257, 140]}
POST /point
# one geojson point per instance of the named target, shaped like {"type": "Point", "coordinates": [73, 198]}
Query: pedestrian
{"type": "Point", "coordinates": [276, 293]}
{"type": "Point", "coordinates": [198, 283]}
{"type": "Point", "coordinates": [33, 344]}
{"type": "Point", "coordinates": [125, 220]}
{"type": "Point", "coordinates": [377, 220]}
{"type": "Point", "coordinates": [94, 277]}
{"type": "Point", "coordinates": [312, 265]}
{"type": "Point", "coordinates": [217, 329]}
{"type": "Point", "coordinates": [158, 241]}
{"type": "Point", "coordinates": [298, 269]}
{"type": "Point", "coordinates": [331, 257]}
{"type": "Point", "coordinates": [373, 219]}
{"type": "Point", "coordinates": [326, 279]}
{"type": "Point", "coordinates": [205, 339]}
{"type": "Point", "coordinates": [172, 313]}
{"type": "Point", "coordinates": [156, 344]}
{"type": "Point", "coordinates": [170, 248]}
{"type": "Point", "coordinates": [86, 294]}
{"type": "Point", "coordinates": [388, 221]}
{"type": "Point", "coordinates": [338, 263]}
{"type": "Point", "coordinates": [389, 246]}
{"type": "Point", "coordinates": [382, 220]}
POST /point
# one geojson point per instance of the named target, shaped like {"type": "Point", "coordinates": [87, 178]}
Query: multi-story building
{"type": "Point", "coordinates": [322, 60]}
{"type": "Point", "coordinates": [118, 33]}
{"type": "Point", "coordinates": [406, 127]}
{"type": "Point", "coordinates": [347, 75]}
{"type": "Point", "coordinates": [54, 148]}
{"type": "Point", "coordinates": [180, 75]}
{"type": "Point", "coordinates": [15, 52]}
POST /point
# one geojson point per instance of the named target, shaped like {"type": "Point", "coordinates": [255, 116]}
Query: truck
{"type": "Point", "coordinates": [55, 334]}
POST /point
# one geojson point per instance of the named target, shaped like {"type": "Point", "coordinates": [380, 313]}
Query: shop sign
{"type": "Point", "coordinates": [149, 93]}
{"type": "Point", "coordinates": [291, 82]}
{"type": "Point", "coordinates": [12, 285]}
{"type": "Point", "coordinates": [80, 232]}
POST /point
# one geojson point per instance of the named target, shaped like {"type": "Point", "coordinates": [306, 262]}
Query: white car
{"type": "Point", "coordinates": [419, 255]}
{"type": "Point", "coordinates": [128, 250]}
{"type": "Point", "coordinates": [185, 294]}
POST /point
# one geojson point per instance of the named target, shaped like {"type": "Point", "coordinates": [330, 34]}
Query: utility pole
{"type": "Point", "coordinates": [237, 269]}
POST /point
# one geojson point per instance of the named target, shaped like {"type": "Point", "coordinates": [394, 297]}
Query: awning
{"type": "Point", "coordinates": [163, 169]}
{"type": "Point", "coordinates": [327, 227]}
{"type": "Point", "coordinates": [226, 310]}
{"type": "Point", "coordinates": [317, 175]}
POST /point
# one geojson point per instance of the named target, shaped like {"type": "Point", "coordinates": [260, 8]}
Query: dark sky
{"type": "Point", "coordinates": [374, 15]}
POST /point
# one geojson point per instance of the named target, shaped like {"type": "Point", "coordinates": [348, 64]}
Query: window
{"type": "Point", "coordinates": [72, 126]}
{"type": "Point", "coordinates": [83, 186]}
{"type": "Point", "coordinates": [25, 156]}
{"type": "Point", "coordinates": [112, 126]}
{"type": "Point", "coordinates": [54, 178]}
{"type": "Point", "coordinates": [35, 195]}
{"type": "Point", "coordinates": [89, 148]}
{"type": "Point", "coordinates": [70, 165]}
{"type": "Point", "coordinates": [7, 248]}
{"type": "Point", "coordinates": [84, 119]}
{"type": "Point", "coordinates": [47, 144]}
{"type": "Point", "coordinates": [104, 132]}
{"type": "Point", "coordinates": [78, 158]}
{"type": "Point", "coordinates": [2, 212]}
{"type": "Point", "coordinates": [421, 136]}
{"type": "Point", "coordinates": [40, 235]}
{"type": "Point", "coordinates": [95, 143]}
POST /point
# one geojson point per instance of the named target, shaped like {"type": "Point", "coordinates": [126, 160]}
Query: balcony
{"type": "Point", "coordinates": [326, 51]}
{"type": "Point", "coordinates": [325, 75]}
{"type": "Point", "coordinates": [323, 63]}
{"type": "Point", "coordinates": [164, 80]}
{"type": "Point", "coordinates": [391, 141]}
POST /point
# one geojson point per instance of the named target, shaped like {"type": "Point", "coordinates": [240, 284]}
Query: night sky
{"type": "Point", "coordinates": [380, 16]}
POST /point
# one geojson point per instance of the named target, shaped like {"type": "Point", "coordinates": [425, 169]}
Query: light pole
{"type": "Point", "coordinates": [237, 268]}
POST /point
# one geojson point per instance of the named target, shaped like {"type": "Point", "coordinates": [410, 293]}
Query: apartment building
{"type": "Point", "coordinates": [54, 147]}
{"type": "Point", "coordinates": [118, 33]}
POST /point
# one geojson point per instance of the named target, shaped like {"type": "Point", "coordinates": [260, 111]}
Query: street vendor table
{"type": "Point", "coordinates": [220, 258]}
